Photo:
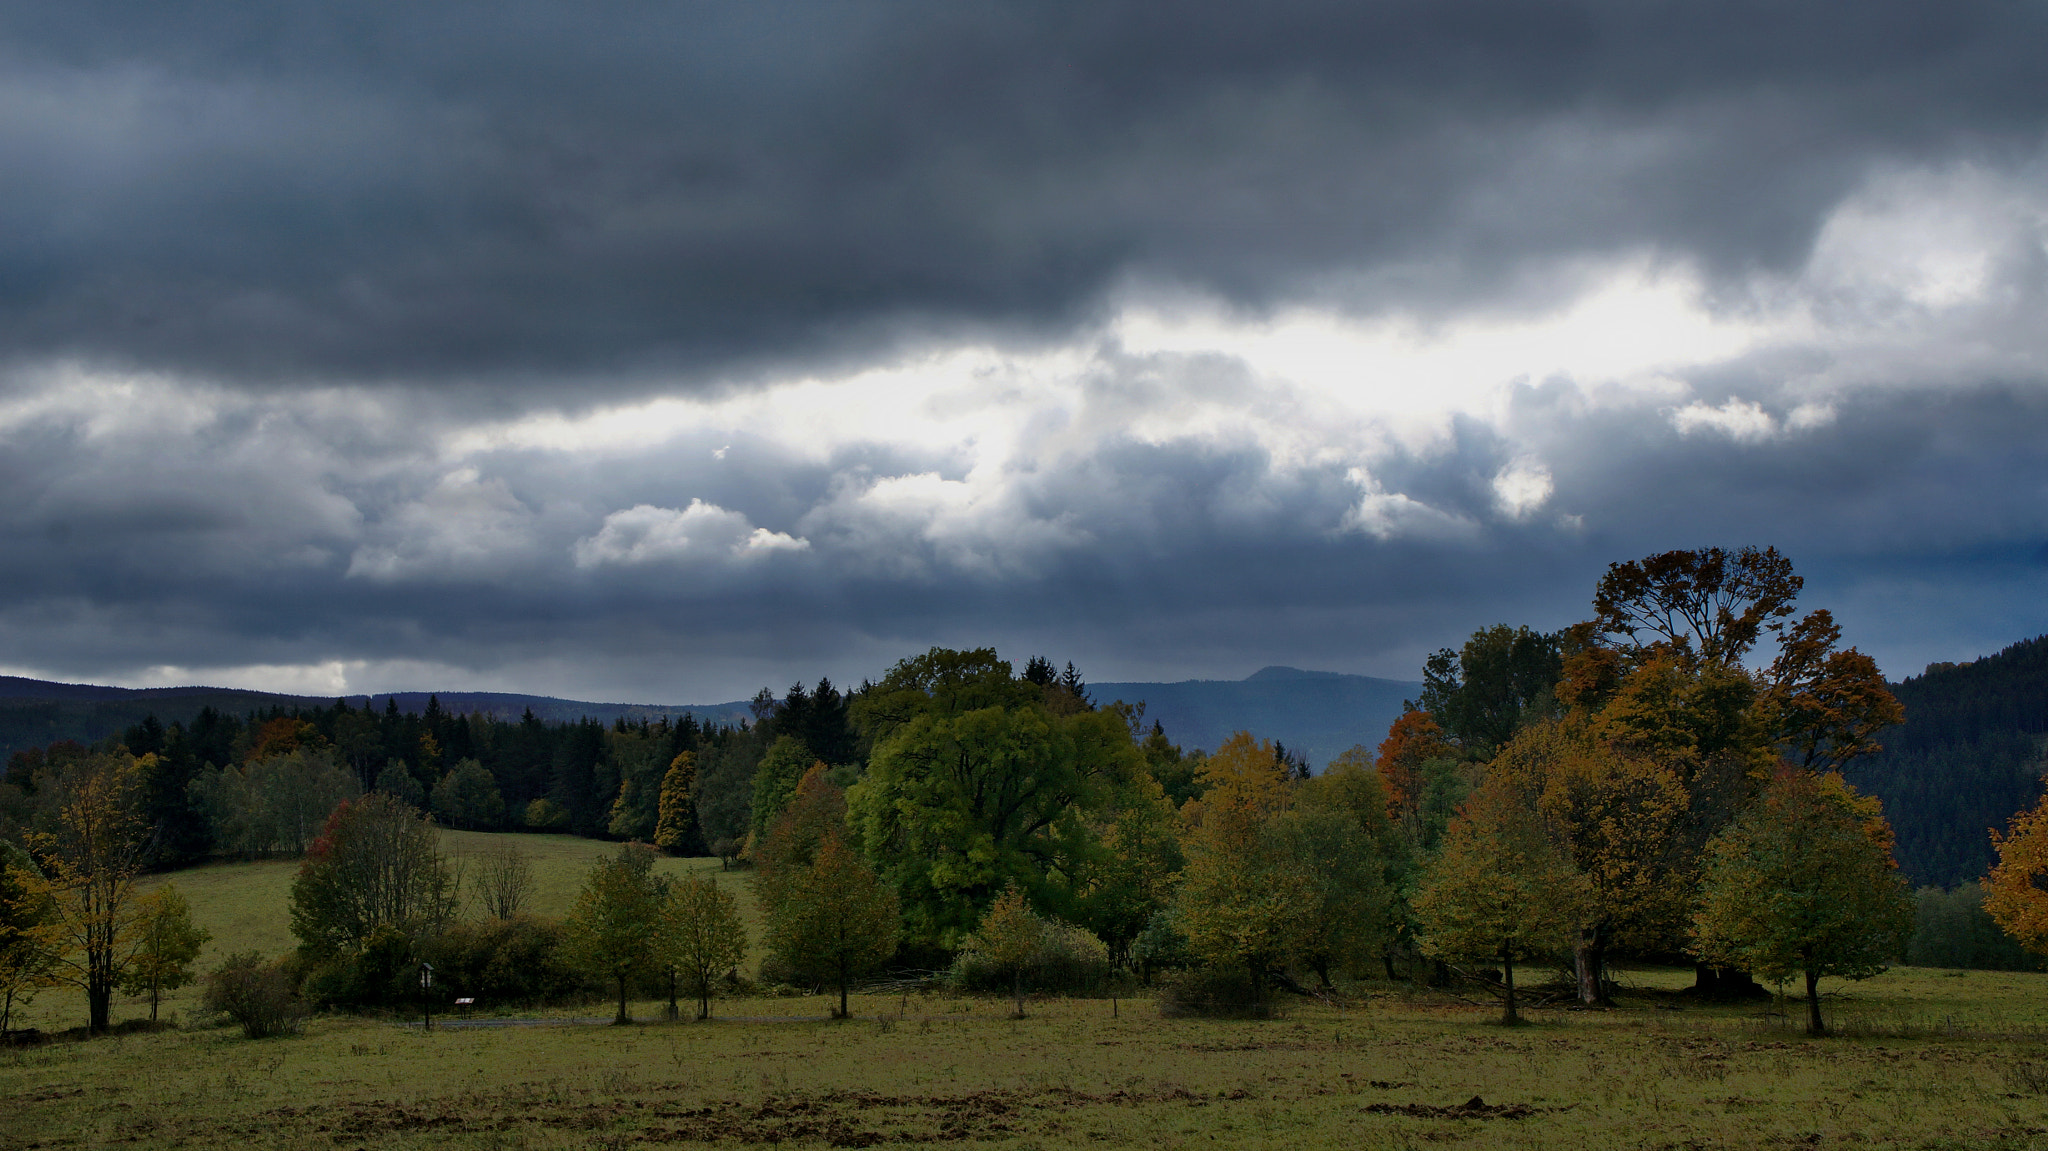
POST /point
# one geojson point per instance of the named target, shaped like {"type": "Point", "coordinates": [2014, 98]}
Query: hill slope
{"type": "Point", "coordinates": [1968, 756]}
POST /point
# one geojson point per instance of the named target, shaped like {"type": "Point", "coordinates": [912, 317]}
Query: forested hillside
{"type": "Point", "coordinates": [1968, 756]}
{"type": "Point", "coordinates": [36, 713]}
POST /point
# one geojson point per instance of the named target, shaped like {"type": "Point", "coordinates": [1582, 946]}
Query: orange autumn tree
{"type": "Point", "coordinates": [1414, 739]}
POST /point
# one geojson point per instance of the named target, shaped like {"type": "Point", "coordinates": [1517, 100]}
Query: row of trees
{"type": "Point", "coordinates": [1662, 780]}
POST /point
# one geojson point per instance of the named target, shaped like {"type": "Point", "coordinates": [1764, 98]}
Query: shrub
{"type": "Point", "coordinates": [1214, 993]}
{"type": "Point", "coordinates": [546, 815]}
{"type": "Point", "coordinates": [1952, 929]}
{"type": "Point", "coordinates": [255, 994]}
{"type": "Point", "coordinates": [506, 961]}
{"type": "Point", "coordinates": [497, 962]}
{"type": "Point", "coordinates": [1069, 961]}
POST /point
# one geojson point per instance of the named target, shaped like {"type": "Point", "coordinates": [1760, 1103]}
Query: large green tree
{"type": "Point", "coordinates": [974, 785]}
{"type": "Point", "coordinates": [1484, 692]}
{"type": "Point", "coordinates": [1802, 883]}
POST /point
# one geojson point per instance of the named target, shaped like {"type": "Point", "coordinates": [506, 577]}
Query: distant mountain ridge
{"type": "Point", "coordinates": [35, 713]}
{"type": "Point", "coordinates": [1318, 713]}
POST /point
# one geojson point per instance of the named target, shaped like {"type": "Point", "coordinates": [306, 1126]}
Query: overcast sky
{"type": "Point", "coordinates": [657, 352]}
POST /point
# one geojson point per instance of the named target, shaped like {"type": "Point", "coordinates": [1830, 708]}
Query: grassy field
{"type": "Point", "coordinates": [245, 906]}
{"type": "Point", "coordinates": [1929, 1061]}
{"type": "Point", "coordinates": [1926, 1059]}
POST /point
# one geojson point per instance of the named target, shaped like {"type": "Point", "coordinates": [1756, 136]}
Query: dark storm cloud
{"type": "Point", "coordinates": [526, 193]}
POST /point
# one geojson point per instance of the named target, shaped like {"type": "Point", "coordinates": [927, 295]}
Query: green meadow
{"type": "Point", "coordinates": [1925, 1059]}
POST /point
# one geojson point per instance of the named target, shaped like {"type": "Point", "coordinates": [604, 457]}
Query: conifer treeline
{"type": "Point", "coordinates": [592, 779]}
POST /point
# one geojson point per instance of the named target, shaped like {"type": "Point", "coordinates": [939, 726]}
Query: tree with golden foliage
{"type": "Point", "coordinates": [91, 843]}
{"type": "Point", "coordinates": [2016, 890]}
{"type": "Point", "coordinates": [676, 810]}
{"type": "Point", "coordinates": [1009, 937]}
{"type": "Point", "coordinates": [1803, 883]}
{"type": "Point", "coordinates": [1621, 819]}
{"type": "Point", "coordinates": [1662, 673]}
{"type": "Point", "coordinates": [28, 932]}
{"type": "Point", "coordinates": [1242, 900]}
{"type": "Point", "coordinates": [1501, 890]}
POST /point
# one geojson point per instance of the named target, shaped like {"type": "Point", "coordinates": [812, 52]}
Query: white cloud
{"type": "Point", "coordinates": [1521, 488]}
{"type": "Point", "coordinates": [1743, 421]}
{"type": "Point", "coordinates": [645, 534]}
{"type": "Point", "coordinates": [1385, 515]}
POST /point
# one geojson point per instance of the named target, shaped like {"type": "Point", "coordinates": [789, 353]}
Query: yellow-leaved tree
{"type": "Point", "coordinates": [1501, 889]}
{"type": "Point", "coordinates": [1620, 818]}
{"type": "Point", "coordinates": [676, 811]}
{"type": "Point", "coordinates": [166, 943]}
{"type": "Point", "coordinates": [1009, 938]}
{"type": "Point", "coordinates": [2016, 890]}
{"type": "Point", "coordinates": [91, 845]}
{"type": "Point", "coordinates": [1244, 900]}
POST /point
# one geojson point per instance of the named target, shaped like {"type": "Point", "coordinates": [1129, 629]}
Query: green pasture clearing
{"type": "Point", "coordinates": [1386, 1069]}
{"type": "Point", "coordinates": [247, 908]}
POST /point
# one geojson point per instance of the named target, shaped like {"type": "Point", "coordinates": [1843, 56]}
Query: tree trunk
{"type": "Point", "coordinates": [1258, 990]}
{"type": "Point", "coordinates": [1813, 1024]}
{"type": "Point", "coordinates": [623, 1017]}
{"type": "Point", "coordinates": [1017, 991]}
{"type": "Point", "coordinates": [704, 1000]}
{"type": "Point", "coordinates": [99, 1002]}
{"type": "Point", "coordinates": [842, 987]}
{"type": "Point", "coordinates": [1510, 1016]}
{"type": "Point", "coordinates": [153, 996]}
{"type": "Point", "coordinates": [673, 1014]}
{"type": "Point", "coordinates": [1725, 983]}
{"type": "Point", "coordinates": [1387, 958]}
{"type": "Point", "coordinates": [1586, 963]}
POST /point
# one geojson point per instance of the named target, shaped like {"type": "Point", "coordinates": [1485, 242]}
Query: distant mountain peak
{"type": "Point", "coordinates": [1277, 671]}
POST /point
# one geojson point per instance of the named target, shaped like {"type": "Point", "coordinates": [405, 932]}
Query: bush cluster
{"type": "Point", "coordinates": [255, 994]}
{"type": "Point", "coordinates": [504, 962]}
{"type": "Point", "coordinates": [1214, 993]}
{"type": "Point", "coordinates": [1069, 961]}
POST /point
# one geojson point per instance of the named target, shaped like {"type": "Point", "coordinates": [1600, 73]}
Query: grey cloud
{"type": "Point", "coordinates": [529, 194]}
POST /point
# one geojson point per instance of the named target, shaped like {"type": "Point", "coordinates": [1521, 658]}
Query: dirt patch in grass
{"type": "Point", "coordinates": [1473, 1108]}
